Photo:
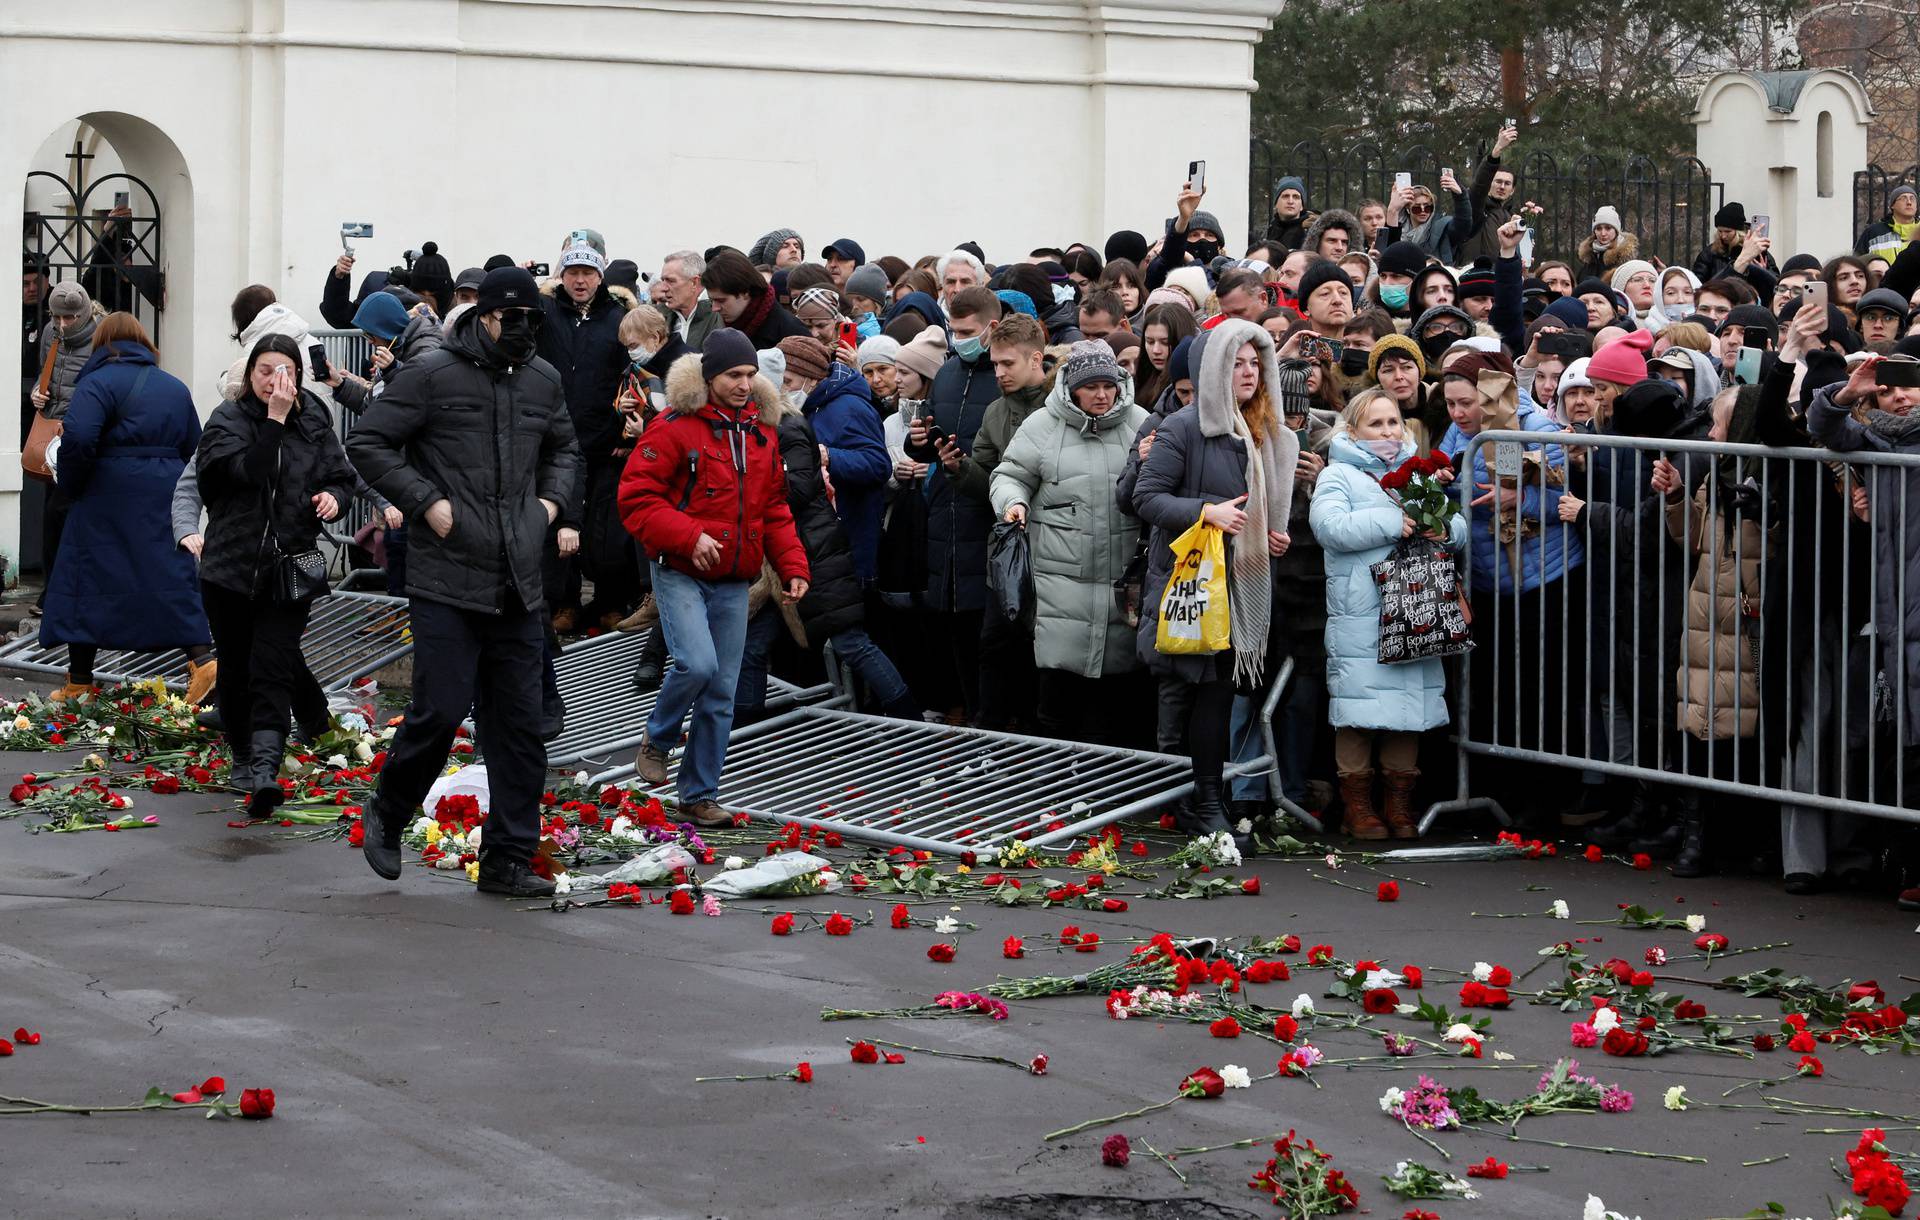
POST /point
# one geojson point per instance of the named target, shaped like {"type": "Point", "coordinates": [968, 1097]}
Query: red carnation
{"type": "Point", "coordinates": [838, 925]}
{"type": "Point", "coordinates": [1203, 1082]}
{"type": "Point", "coordinates": [865, 1052]}
{"type": "Point", "coordinates": [1594, 853]}
{"type": "Point", "coordinates": [26, 1037]}
{"type": "Point", "coordinates": [1225, 1027]}
{"type": "Point", "coordinates": [1289, 943]}
{"type": "Point", "coordinates": [1801, 1043]}
{"type": "Point", "coordinates": [1089, 942]}
{"type": "Point", "coordinates": [1642, 861]}
{"type": "Point", "coordinates": [1689, 1010]}
{"type": "Point", "coordinates": [803, 1072]}
{"type": "Point", "coordinates": [782, 925]}
{"type": "Point", "coordinates": [1114, 1151]}
{"type": "Point", "coordinates": [1501, 977]}
{"type": "Point", "coordinates": [1285, 1028]}
{"type": "Point", "coordinates": [1250, 886]}
{"type": "Point", "coordinates": [1387, 891]}
{"type": "Point", "coordinates": [1413, 975]}
{"type": "Point", "coordinates": [901, 917]}
{"type": "Point", "coordinates": [942, 952]}
{"type": "Point", "coordinates": [166, 785]}
{"type": "Point", "coordinates": [1380, 1000]}
{"type": "Point", "coordinates": [1640, 978]}
{"type": "Point", "coordinates": [1319, 955]}
{"type": "Point", "coordinates": [1012, 947]}
{"type": "Point", "coordinates": [1113, 904]}
{"type": "Point", "coordinates": [680, 902]}
{"type": "Point", "coordinates": [1488, 1168]}
{"type": "Point", "coordinates": [256, 1103]}
{"type": "Point", "coordinates": [1711, 942]}
{"type": "Point", "coordinates": [1763, 1042]}
{"type": "Point", "coordinates": [1139, 849]}
{"type": "Point", "coordinates": [1809, 1066]}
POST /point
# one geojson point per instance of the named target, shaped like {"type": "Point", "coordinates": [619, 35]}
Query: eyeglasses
{"type": "Point", "coordinates": [1419, 207]}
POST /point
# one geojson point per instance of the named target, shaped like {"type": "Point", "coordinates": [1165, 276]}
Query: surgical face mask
{"type": "Point", "coordinates": [516, 341]}
{"type": "Point", "coordinates": [1204, 251]}
{"type": "Point", "coordinates": [640, 355]}
{"type": "Point", "coordinates": [1062, 293]}
{"type": "Point", "coordinates": [1353, 362]}
{"type": "Point", "coordinates": [796, 398]}
{"type": "Point", "coordinates": [1385, 450]}
{"type": "Point", "coordinates": [970, 349]}
{"type": "Point", "coordinates": [1394, 296]}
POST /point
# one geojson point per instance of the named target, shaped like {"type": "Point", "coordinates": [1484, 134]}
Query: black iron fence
{"type": "Point", "coordinates": [107, 237]}
{"type": "Point", "coordinates": [1667, 205]}
{"type": "Point", "coordinates": [1872, 189]}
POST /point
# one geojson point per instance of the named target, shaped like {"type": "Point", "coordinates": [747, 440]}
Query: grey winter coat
{"type": "Point", "coordinates": [67, 363]}
{"type": "Point", "coordinates": [1897, 640]}
{"type": "Point", "coordinates": [1062, 464]}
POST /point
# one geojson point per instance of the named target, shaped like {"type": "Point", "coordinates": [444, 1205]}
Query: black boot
{"type": "Point", "coordinates": [553, 717]}
{"type": "Point", "coordinates": [380, 841]}
{"type": "Point", "coordinates": [1692, 860]}
{"type": "Point", "coordinates": [1206, 811]}
{"type": "Point", "coordinates": [647, 674]}
{"type": "Point", "coordinates": [269, 750]}
{"type": "Point", "coordinates": [510, 876]}
{"type": "Point", "coordinates": [1641, 818]}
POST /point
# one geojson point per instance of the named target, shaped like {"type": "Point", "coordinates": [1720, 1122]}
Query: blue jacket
{"type": "Point", "coordinates": [1544, 556]}
{"type": "Point", "coordinates": [120, 581]}
{"type": "Point", "coordinates": [843, 418]}
{"type": "Point", "coordinates": [1357, 523]}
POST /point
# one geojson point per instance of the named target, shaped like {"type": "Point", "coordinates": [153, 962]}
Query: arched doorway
{"type": "Point", "coordinates": [102, 203]}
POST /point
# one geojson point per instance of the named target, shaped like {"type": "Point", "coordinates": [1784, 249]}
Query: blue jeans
{"type": "Point", "coordinates": [854, 647]}
{"type": "Point", "coordinates": [1296, 725]}
{"type": "Point", "coordinates": [705, 623]}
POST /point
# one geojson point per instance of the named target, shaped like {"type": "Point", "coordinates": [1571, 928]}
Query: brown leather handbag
{"type": "Point", "coordinates": [33, 455]}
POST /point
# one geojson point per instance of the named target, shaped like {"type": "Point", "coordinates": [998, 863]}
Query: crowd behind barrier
{"type": "Point", "coordinates": [1434, 520]}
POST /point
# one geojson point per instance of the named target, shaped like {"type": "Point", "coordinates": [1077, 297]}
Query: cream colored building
{"type": "Point", "coordinates": [497, 125]}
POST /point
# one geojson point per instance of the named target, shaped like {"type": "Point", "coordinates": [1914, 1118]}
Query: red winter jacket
{"type": "Point", "coordinates": [685, 478]}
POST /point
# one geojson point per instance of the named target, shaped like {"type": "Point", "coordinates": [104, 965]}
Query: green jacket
{"type": "Point", "coordinates": [1062, 464]}
{"type": "Point", "coordinates": [1004, 416]}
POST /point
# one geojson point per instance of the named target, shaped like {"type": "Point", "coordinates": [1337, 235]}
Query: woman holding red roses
{"type": "Point", "coordinates": [1358, 519]}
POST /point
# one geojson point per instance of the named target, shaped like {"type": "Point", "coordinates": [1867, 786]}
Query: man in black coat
{"type": "Point", "coordinates": [474, 444]}
{"type": "Point", "coordinates": [581, 340]}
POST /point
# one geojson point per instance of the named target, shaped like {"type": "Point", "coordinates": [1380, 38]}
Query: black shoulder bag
{"type": "Point", "coordinates": [291, 577]}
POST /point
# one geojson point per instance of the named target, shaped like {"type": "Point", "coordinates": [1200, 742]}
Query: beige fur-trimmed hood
{"type": "Point", "coordinates": [687, 390]}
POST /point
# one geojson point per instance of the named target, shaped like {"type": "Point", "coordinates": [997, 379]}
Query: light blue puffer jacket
{"type": "Point", "coordinates": [1358, 523]}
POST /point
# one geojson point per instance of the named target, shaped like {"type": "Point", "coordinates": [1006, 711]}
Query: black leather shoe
{"type": "Point", "coordinates": [380, 842]}
{"type": "Point", "coordinates": [1801, 884]}
{"type": "Point", "coordinates": [647, 675]}
{"type": "Point", "coordinates": [264, 794]}
{"type": "Point", "coordinates": [511, 878]}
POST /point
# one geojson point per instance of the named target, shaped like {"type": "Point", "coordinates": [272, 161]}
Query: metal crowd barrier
{"type": "Point", "coordinates": [606, 716]}
{"type": "Point", "coordinates": [1777, 688]}
{"type": "Point", "coordinates": [348, 636]}
{"type": "Point", "coordinates": [938, 787]}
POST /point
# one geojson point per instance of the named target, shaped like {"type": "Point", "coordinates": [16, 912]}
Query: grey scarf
{"type": "Point", "coordinates": [1270, 470]}
{"type": "Point", "coordinates": [1897, 429]}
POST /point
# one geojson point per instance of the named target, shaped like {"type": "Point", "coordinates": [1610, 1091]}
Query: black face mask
{"type": "Point", "coordinates": [1435, 346]}
{"type": "Point", "coordinates": [1353, 362]}
{"type": "Point", "coordinates": [516, 341]}
{"type": "Point", "coordinates": [1203, 251]}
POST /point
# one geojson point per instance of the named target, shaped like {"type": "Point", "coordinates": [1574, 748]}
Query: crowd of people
{"type": "Point", "coordinates": [760, 453]}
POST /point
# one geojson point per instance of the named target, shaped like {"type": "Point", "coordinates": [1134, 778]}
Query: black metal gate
{"type": "Point", "coordinates": [107, 237]}
{"type": "Point", "coordinates": [1670, 209]}
{"type": "Point", "coordinates": [1872, 188]}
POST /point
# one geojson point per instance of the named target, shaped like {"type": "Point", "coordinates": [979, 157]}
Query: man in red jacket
{"type": "Point", "coordinates": [705, 493]}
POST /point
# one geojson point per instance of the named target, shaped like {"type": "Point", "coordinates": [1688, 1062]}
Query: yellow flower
{"type": "Point", "coordinates": [21, 722]}
{"type": "Point", "coordinates": [434, 833]}
{"type": "Point", "coordinates": [963, 870]}
{"type": "Point", "coordinates": [473, 871]}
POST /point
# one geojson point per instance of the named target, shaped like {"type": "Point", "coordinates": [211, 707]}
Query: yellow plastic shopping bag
{"type": "Point", "coordinates": [1193, 612]}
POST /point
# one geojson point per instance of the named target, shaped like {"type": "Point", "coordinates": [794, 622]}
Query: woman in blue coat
{"type": "Point", "coordinates": [1358, 523]}
{"type": "Point", "coordinates": [121, 582]}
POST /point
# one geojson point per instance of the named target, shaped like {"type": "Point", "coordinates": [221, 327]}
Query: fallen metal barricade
{"type": "Point", "coordinates": [348, 636]}
{"type": "Point", "coordinates": [606, 715]}
{"type": "Point", "coordinates": [1766, 681]}
{"type": "Point", "coordinates": [938, 787]}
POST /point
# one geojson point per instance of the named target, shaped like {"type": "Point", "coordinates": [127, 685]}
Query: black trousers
{"type": "Point", "coordinates": [53, 522]}
{"type": "Point", "coordinates": [1074, 707]}
{"type": "Point", "coordinates": [491, 664]}
{"type": "Point", "coordinates": [1007, 681]}
{"type": "Point", "coordinates": [260, 661]}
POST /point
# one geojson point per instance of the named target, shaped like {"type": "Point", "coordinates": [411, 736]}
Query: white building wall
{"type": "Point", "coordinates": [495, 126]}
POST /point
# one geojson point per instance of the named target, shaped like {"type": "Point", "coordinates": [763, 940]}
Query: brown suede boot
{"type": "Point", "coordinates": [1399, 803]}
{"type": "Point", "coordinates": [201, 676]}
{"type": "Point", "coordinates": [1360, 822]}
{"type": "Point", "coordinates": [74, 692]}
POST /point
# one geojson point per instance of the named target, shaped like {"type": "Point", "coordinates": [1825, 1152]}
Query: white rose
{"type": "Point", "coordinates": [1676, 1098]}
{"type": "Point", "coordinates": [1302, 1006]}
{"type": "Point", "coordinates": [337, 761]}
{"type": "Point", "coordinates": [580, 778]}
{"type": "Point", "coordinates": [1482, 972]}
{"type": "Point", "coordinates": [1243, 826]}
{"type": "Point", "coordinates": [734, 862]}
{"type": "Point", "coordinates": [1377, 979]}
{"type": "Point", "coordinates": [946, 925]}
{"type": "Point", "coordinates": [1235, 1077]}
{"type": "Point", "coordinates": [1390, 1101]}
{"type": "Point", "coordinates": [1459, 1032]}
{"type": "Point", "coordinates": [563, 884]}
{"type": "Point", "coordinates": [1605, 1020]}
{"type": "Point", "coordinates": [473, 838]}
{"type": "Point", "coordinates": [1696, 924]}
{"type": "Point", "coordinates": [620, 825]}
{"type": "Point", "coordinates": [1594, 1210]}
{"type": "Point", "coordinates": [448, 862]}
{"type": "Point", "coordinates": [363, 752]}
{"type": "Point", "coordinates": [422, 824]}
{"type": "Point", "coordinates": [1560, 909]}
